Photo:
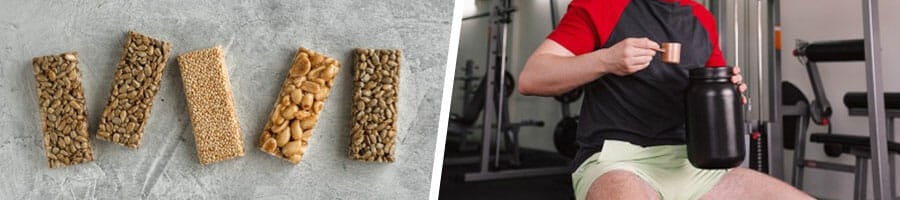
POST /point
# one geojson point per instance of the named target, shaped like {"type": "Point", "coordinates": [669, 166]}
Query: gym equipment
{"type": "Point", "coordinates": [820, 110]}
{"type": "Point", "coordinates": [566, 129]}
{"type": "Point", "coordinates": [884, 180]}
{"type": "Point", "coordinates": [714, 121]}
{"type": "Point", "coordinates": [746, 29]}
{"type": "Point", "coordinates": [495, 121]}
{"type": "Point", "coordinates": [796, 107]}
{"type": "Point", "coordinates": [460, 125]}
{"type": "Point", "coordinates": [766, 139]}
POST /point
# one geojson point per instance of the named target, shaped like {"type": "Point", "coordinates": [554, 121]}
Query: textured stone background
{"type": "Point", "coordinates": [260, 38]}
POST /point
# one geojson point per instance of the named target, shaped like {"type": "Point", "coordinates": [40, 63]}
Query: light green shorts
{"type": "Point", "coordinates": [665, 168]}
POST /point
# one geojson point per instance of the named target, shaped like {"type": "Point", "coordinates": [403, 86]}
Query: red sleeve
{"type": "Point", "coordinates": [587, 24]}
{"type": "Point", "coordinates": [716, 59]}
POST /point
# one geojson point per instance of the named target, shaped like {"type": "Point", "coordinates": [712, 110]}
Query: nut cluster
{"type": "Point", "coordinates": [62, 107]}
{"type": "Point", "coordinates": [375, 85]}
{"type": "Point", "coordinates": [214, 122]}
{"type": "Point", "coordinates": [135, 84]}
{"type": "Point", "coordinates": [302, 96]}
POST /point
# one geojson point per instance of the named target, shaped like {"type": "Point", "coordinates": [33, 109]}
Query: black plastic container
{"type": "Point", "coordinates": [715, 119]}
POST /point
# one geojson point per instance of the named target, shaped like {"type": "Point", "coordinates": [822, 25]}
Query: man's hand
{"type": "Point", "coordinates": [738, 80]}
{"type": "Point", "coordinates": [628, 56]}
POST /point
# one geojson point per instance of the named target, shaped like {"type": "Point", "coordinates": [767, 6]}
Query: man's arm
{"type": "Point", "coordinates": [553, 70]}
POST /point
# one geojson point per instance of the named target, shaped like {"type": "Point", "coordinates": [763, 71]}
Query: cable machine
{"type": "Point", "coordinates": [758, 53]}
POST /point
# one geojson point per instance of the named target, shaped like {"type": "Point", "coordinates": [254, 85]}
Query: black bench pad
{"type": "Point", "coordinates": [860, 100]}
{"type": "Point", "coordinates": [852, 141]}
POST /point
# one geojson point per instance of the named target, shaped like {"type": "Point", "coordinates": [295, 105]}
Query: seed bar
{"type": "Point", "coordinates": [375, 88]}
{"type": "Point", "coordinates": [62, 108]}
{"type": "Point", "coordinates": [133, 88]}
{"type": "Point", "coordinates": [211, 105]}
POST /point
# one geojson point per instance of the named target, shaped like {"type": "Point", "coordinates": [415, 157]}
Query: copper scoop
{"type": "Point", "coordinates": [671, 52]}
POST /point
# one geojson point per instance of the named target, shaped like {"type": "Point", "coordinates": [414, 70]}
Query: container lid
{"type": "Point", "coordinates": [711, 72]}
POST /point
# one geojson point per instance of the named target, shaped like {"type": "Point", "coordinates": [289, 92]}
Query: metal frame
{"type": "Point", "coordinates": [883, 187]}
{"type": "Point", "coordinates": [863, 156]}
{"type": "Point", "coordinates": [860, 170]}
{"type": "Point", "coordinates": [499, 16]}
{"type": "Point", "coordinates": [889, 123]}
{"type": "Point", "coordinates": [747, 36]}
{"type": "Point", "coordinates": [776, 136]}
{"type": "Point", "coordinates": [883, 181]}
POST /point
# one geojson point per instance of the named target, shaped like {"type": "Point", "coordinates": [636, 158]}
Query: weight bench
{"type": "Point", "coordinates": [798, 112]}
{"type": "Point", "coordinates": [459, 127]}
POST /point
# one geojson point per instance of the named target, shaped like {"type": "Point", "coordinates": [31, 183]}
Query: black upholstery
{"type": "Point", "coordinates": [790, 96]}
{"type": "Point", "coordinates": [859, 100]}
{"type": "Point", "coordinates": [838, 50]}
{"type": "Point", "coordinates": [851, 141]}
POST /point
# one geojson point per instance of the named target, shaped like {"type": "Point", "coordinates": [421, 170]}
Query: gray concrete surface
{"type": "Point", "coordinates": [260, 37]}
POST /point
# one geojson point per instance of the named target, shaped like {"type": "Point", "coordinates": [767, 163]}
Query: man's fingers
{"type": "Point", "coordinates": [736, 70]}
{"type": "Point", "coordinates": [742, 88]}
{"type": "Point", "coordinates": [646, 43]}
{"type": "Point", "coordinates": [638, 60]}
{"type": "Point", "coordinates": [638, 51]}
{"type": "Point", "coordinates": [643, 59]}
{"type": "Point", "coordinates": [743, 99]}
{"type": "Point", "coordinates": [737, 79]}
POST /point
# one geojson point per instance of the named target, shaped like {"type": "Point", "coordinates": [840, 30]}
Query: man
{"type": "Point", "coordinates": [631, 130]}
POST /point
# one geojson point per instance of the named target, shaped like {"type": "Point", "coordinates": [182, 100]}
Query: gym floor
{"type": "Point", "coordinates": [543, 187]}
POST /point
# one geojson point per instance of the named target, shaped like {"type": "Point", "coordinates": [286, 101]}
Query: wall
{"type": "Point", "coordinates": [259, 38]}
{"type": "Point", "coordinates": [816, 20]}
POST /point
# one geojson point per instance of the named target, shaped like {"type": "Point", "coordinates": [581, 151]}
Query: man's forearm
{"type": "Point", "coordinates": [552, 75]}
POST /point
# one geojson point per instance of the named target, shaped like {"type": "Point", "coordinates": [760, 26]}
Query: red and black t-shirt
{"type": "Point", "coordinates": [645, 108]}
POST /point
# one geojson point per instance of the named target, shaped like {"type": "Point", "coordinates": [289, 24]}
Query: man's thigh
{"type": "Point", "coordinates": [620, 184]}
{"type": "Point", "coordinates": [742, 183]}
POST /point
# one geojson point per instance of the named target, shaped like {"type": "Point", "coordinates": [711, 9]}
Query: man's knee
{"type": "Point", "coordinates": [620, 184]}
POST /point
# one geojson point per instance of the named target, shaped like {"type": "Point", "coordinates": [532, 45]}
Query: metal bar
{"type": "Point", "coordinates": [554, 14]}
{"type": "Point", "coordinates": [504, 30]}
{"type": "Point", "coordinates": [891, 160]}
{"type": "Point", "coordinates": [489, 107]}
{"type": "Point", "coordinates": [880, 173]}
{"type": "Point", "coordinates": [776, 146]}
{"type": "Point", "coordinates": [515, 173]}
{"type": "Point", "coordinates": [480, 15]}
{"type": "Point", "coordinates": [759, 58]}
{"type": "Point", "coordinates": [821, 104]}
{"type": "Point", "coordinates": [738, 22]}
{"type": "Point", "coordinates": [800, 151]}
{"type": "Point", "coordinates": [737, 43]}
{"type": "Point", "coordinates": [719, 10]}
{"type": "Point", "coordinates": [830, 166]}
{"type": "Point", "coordinates": [859, 183]}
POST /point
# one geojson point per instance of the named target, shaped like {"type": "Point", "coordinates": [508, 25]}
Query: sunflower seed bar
{"type": "Point", "coordinates": [375, 87]}
{"type": "Point", "coordinates": [133, 88]}
{"type": "Point", "coordinates": [63, 114]}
